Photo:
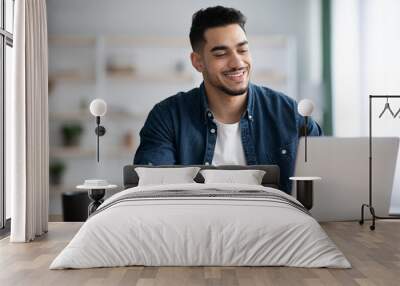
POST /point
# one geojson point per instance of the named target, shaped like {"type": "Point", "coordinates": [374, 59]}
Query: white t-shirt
{"type": "Point", "coordinates": [228, 148]}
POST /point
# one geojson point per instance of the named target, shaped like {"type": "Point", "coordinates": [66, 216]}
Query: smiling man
{"type": "Point", "coordinates": [227, 120]}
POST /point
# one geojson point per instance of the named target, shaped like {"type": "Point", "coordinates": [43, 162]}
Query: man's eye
{"type": "Point", "coordinates": [243, 51]}
{"type": "Point", "coordinates": [220, 55]}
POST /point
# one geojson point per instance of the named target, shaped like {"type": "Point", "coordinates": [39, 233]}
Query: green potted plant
{"type": "Point", "coordinates": [56, 171]}
{"type": "Point", "coordinates": [71, 134]}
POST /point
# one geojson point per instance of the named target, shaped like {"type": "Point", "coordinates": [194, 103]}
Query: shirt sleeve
{"type": "Point", "coordinates": [313, 128]}
{"type": "Point", "coordinates": [156, 139]}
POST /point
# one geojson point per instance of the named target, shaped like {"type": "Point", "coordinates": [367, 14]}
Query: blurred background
{"type": "Point", "coordinates": [135, 53]}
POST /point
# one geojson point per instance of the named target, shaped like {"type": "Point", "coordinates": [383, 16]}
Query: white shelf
{"type": "Point", "coordinates": [168, 77]}
{"type": "Point", "coordinates": [71, 77]}
{"type": "Point", "coordinates": [146, 41]}
{"type": "Point", "coordinates": [62, 152]}
{"type": "Point", "coordinates": [72, 40]}
{"type": "Point", "coordinates": [86, 115]}
{"type": "Point", "coordinates": [84, 153]}
{"type": "Point", "coordinates": [153, 78]}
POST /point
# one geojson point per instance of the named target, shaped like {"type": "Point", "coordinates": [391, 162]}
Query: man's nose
{"type": "Point", "coordinates": [235, 61]}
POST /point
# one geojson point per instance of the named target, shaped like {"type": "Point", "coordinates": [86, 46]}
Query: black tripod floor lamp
{"type": "Point", "coordinates": [369, 205]}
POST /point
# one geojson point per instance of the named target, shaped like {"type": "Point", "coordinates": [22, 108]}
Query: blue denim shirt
{"type": "Point", "coordinates": [180, 131]}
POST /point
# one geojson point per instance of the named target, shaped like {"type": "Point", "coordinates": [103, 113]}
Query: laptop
{"type": "Point", "coordinates": [342, 163]}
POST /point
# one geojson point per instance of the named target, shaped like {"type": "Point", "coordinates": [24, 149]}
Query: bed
{"type": "Point", "coordinates": [201, 224]}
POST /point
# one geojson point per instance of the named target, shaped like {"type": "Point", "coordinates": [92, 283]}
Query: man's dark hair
{"type": "Point", "coordinates": [212, 17]}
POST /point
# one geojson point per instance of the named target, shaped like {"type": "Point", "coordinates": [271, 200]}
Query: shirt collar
{"type": "Point", "coordinates": [208, 113]}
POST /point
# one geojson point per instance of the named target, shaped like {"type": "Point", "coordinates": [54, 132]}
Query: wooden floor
{"type": "Point", "coordinates": [374, 255]}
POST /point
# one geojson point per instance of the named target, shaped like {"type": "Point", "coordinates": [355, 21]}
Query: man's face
{"type": "Point", "coordinates": [225, 59]}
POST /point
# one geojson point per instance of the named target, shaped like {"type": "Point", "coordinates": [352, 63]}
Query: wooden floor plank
{"type": "Point", "coordinates": [374, 255]}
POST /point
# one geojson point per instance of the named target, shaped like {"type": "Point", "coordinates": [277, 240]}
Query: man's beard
{"type": "Point", "coordinates": [231, 92]}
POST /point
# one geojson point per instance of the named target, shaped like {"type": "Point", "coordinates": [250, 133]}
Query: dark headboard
{"type": "Point", "coordinates": [271, 177]}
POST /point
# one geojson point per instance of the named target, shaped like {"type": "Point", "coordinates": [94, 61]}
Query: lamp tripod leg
{"type": "Point", "coordinates": [372, 210]}
{"type": "Point", "coordinates": [361, 222]}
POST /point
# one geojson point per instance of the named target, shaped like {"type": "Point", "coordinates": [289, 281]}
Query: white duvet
{"type": "Point", "coordinates": [200, 231]}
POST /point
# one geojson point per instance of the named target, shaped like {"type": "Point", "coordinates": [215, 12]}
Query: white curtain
{"type": "Point", "coordinates": [27, 122]}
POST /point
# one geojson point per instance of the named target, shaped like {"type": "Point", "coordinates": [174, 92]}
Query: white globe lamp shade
{"type": "Point", "coordinates": [98, 107]}
{"type": "Point", "coordinates": [305, 107]}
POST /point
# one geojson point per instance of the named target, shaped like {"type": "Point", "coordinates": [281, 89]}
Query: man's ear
{"type": "Point", "coordinates": [197, 61]}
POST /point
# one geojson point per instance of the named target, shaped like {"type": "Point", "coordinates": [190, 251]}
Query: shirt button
{"type": "Point", "coordinates": [250, 117]}
{"type": "Point", "coordinates": [206, 163]}
{"type": "Point", "coordinates": [283, 151]}
{"type": "Point", "coordinates": [209, 114]}
{"type": "Point", "coordinates": [212, 130]}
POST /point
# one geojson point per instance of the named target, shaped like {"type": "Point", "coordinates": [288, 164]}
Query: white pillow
{"type": "Point", "coordinates": [248, 177]}
{"type": "Point", "coordinates": [165, 176]}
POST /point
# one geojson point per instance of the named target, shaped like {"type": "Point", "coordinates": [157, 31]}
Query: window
{"type": "Point", "coordinates": [6, 43]}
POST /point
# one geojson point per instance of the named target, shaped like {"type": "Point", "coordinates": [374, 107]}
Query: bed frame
{"type": "Point", "coordinates": [270, 179]}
